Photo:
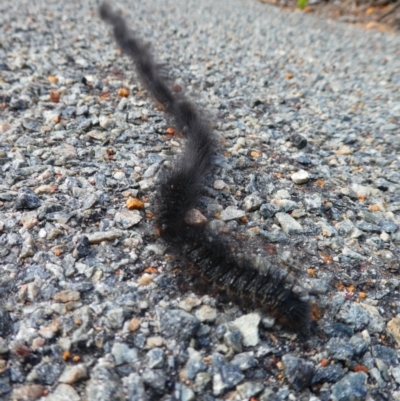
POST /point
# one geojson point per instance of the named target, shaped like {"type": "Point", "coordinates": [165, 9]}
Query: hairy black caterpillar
{"type": "Point", "coordinates": [251, 280]}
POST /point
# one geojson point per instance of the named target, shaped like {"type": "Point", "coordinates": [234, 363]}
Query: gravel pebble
{"type": "Point", "coordinates": [177, 324]}
{"type": "Point", "coordinates": [225, 375]}
{"type": "Point", "coordinates": [298, 371]}
{"type": "Point", "coordinates": [231, 213]}
{"type": "Point", "coordinates": [352, 387]}
{"type": "Point", "coordinates": [300, 177]}
{"type": "Point", "coordinates": [289, 224]}
{"type": "Point", "coordinates": [248, 327]}
{"type": "Point", "coordinates": [27, 199]}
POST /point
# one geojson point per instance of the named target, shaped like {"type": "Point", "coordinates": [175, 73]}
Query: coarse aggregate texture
{"type": "Point", "coordinates": [307, 112]}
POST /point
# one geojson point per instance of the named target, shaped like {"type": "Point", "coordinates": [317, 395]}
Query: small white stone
{"type": "Point", "coordinates": [119, 175]}
{"type": "Point", "coordinates": [42, 233]}
{"type": "Point", "coordinates": [300, 177]}
{"type": "Point", "coordinates": [72, 374]}
{"type": "Point", "coordinates": [127, 218]}
{"type": "Point", "coordinates": [385, 237]}
{"type": "Point", "coordinates": [105, 122]}
{"type": "Point", "coordinates": [206, 314]}
{"type": "Point", "coordinates": [219, 184]}
{"type": "Point", "coordinates": [252, 203]}
{"type": "Point", "coordinates": [99, 236]}
{"type": "Point", "coordinates": [248, 327]}
{"type": "Point", "coordinates": [289, 224]}
{"type": "Point", "coordinates": [232, 213]}
{"type": "Point", "coordinates": [282, 194]}
{"type": "Point", "coordinates": [63, 392]}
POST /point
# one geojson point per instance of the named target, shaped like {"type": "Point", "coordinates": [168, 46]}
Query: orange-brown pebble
{"type": "Point", "coordinates": [316, 312]}
{"type": "Point", "coordinates": [52, 79]}
{"type": "Point", "coordinates": [374, 208]}
{"type": "Point", "coordinates": [344, 150]}
{"type": "Point", "coordinates": [324, 362]}
{"type": "Point", "coordinates": [145, 280]}
{"type": "Point", "coordinates": [151, 270]}
{"type": "Point", "coordinates": [351, 288]}
{"type": "Point", "coordinates": [361, 368]}
{"type": "Point", "coordinates": [104, 96]}
{"type": "Point", "coordinates": [54, 96]}
{"type": "Point", "coordinates": [76, 358]}
{"type": "Point", "coordinates": [66, 355]}
{"type": "Point", "coordinates": [170, 131]}
{"type": "Point", "coordinates": [134, 203]}
{"type": "Point", "coordinates": [123, 92]}
{"type": "Point", "coordinates": [58, 250]}
{"type": "Point", "coordinates": [134, 324]}
{"type": "Point", "coordinates": [327, 258]}
{"type": "Point", "coordinates": [65, 296]}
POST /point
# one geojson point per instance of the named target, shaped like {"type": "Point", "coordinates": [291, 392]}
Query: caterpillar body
{"type": "Point", "coordinates": [251, 280]}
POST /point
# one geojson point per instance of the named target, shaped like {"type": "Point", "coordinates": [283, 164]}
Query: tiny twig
{"type": "Point", "coordinates": [394, 8]}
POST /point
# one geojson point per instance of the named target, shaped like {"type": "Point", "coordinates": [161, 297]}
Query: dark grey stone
{"type": "Point", "coordinates": [299, 141]}
{"type": "Point", "coordinates": [364, 226]}
{"type": "Point", "coordinates": [225, 375]}
{"type": "Point", "coordinates": [340, 350]}
{"type": "Point", "coordinates": [48, 372]}
{"type": "Point", "coordinates": [389, 227]}
{"type": "Point", "coordinates": [82, 247]}
{"type": "Point", "coordinates": [104, 385]}
{"type": "Point", "coordinates": [353, 387]}
{"type": "Point", "coordinates": [5, 386]}
{"type": "Point", "coordinates": [155, 358]}
{"type": "Point", "coordinates": [31, 125]}
{"type": "Point", "coordinates": [359, 344]}
{"type": "Point", "coordinates": [298, 371]}
{"type": "Point", "coordinates": [245, 360]}
{"type": "Point", "coordinates": [27, 199]}
{"type": "Point", "coordinates": [303, 159]}
{"type": "Point", "coordinates": [330, 374]}
{"type": "Point", "coordinates": [388, 355]}
{"type": "Point", "coordinates": [194, 365]}
{"type": "Point", "coordinates": [155, 379]}
{"type": "Point", "coordinates": [177, 324]}
{"type": "Point", "coordinates": [135, 388]}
